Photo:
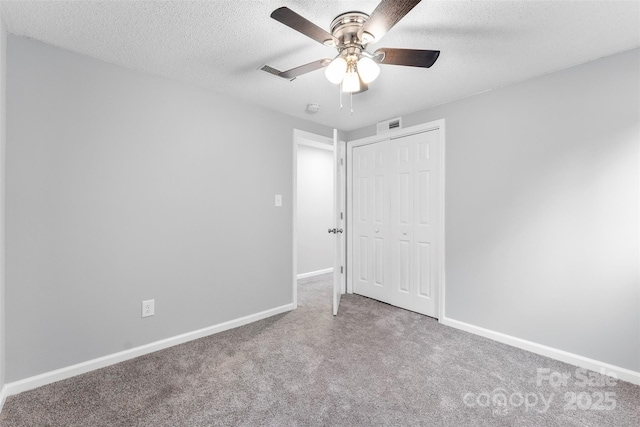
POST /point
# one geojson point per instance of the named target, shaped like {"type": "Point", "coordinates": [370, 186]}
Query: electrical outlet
{"type": "Point", "coordinates": [148, 308]}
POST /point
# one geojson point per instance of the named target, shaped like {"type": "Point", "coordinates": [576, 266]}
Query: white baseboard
{"type": "Point", "coordinates": [3, 396]}
{"type": "Point", "coordinates": [553, 353]}
{"type": "Point", "coordinates": [70, 371]}
{"type": "Point", "coordinates": [315, 273]}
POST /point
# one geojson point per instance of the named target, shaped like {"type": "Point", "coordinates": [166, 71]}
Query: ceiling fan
{"type": "Point", "coordinates": [354, 68]}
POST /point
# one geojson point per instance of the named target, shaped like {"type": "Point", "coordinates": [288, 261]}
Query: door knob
{"type": "Point", "coordinates": [377, 230]}
{"type": "Point", "coordinates": [332, 230]}
{"type": "Point", "coordinates": [339, 230]}
{"type": "Point", "coordinates": [404, 232]}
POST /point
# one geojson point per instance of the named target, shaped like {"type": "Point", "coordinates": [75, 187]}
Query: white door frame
{"type": "Point", "coordinates": [437, 124]}
{"type": "Point", "coordinates": [301, 137]}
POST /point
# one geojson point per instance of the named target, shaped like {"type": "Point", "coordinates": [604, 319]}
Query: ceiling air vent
{"type": "Point", "coordinates": [389, 125]}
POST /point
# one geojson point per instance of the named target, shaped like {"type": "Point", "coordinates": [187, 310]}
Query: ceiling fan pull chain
{"type": "Point", "coordinates": [351, 95]}
{"type": "Point", "coordinates": [340, 89]}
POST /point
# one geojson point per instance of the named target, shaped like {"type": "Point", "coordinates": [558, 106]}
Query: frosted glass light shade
{"type": "Point", "coordinates": [368, 69]}
{"type": "Point", "coordinates": [351, 82]}
{"type": "Point", "coordinates": [336, 70]}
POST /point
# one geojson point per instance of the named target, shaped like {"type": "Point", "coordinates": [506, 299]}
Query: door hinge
{"type": "Point", "coordinates": [341, 269]}
{"type": "Point", "coordinates": [341, 162]}
{"type": "Point", "coordinates": [341, 215]}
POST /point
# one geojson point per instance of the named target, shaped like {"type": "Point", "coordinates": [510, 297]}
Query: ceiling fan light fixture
{"type": "Point", "coordinates": [335, 72]}
{"type": "Point", "coordinates": [351, 81]}
{"type": "Point", "coordinates": [368, 69]}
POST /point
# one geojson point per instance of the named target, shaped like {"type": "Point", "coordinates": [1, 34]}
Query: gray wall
{"type": "Point", "coordinates": [123, 186]}
{"type": "Point", "coordinates": [3, 129]}
{"type": "Point", "coordinates": [542, 217]}
{"type": "Point", "coordinates": [315, 209]}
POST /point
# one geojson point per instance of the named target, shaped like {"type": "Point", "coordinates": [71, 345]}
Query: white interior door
{"type": "Point", "coordinates": [394, 215]}
{"type": "Point", "coordinates": [370, 200]}
{"type": "Point", "coordinates": [339, 200]}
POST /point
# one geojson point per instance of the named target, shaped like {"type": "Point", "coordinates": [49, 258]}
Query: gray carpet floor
{"type": "Point", "coordinates": [372, 365]}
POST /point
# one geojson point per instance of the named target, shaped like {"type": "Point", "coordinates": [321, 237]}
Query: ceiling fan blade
{"type": "Point", "coordinates": [304, 69]}
{"type": "Point", "coordinates": [291, 19]}
{"type": "Point", "coordinates": [385, 16]}
{"type": "Point", "coordinates": [363, 88]}
{"type": "Point", "coordinates": [408, 57]}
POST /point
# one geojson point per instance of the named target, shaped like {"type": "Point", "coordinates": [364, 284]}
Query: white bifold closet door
{"type": "Point", "coordinates": [394, 217]}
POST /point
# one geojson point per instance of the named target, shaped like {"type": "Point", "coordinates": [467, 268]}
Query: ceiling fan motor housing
{"type": "Point", "coordinates": [345, 28]}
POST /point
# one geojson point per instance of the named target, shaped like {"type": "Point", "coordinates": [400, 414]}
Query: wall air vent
{"type": "Point", "coordinates": [389, 125]}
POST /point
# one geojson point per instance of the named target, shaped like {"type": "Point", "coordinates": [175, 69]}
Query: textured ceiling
{"type": "Point", "coordinates": [221, 44]}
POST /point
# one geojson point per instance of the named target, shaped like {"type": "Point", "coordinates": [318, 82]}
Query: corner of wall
{"type": "Point", "coordinates": [3, 68]}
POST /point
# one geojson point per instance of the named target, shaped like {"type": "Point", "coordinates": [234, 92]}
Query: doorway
{"type": "Point", "coordinates": [313, 206]}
